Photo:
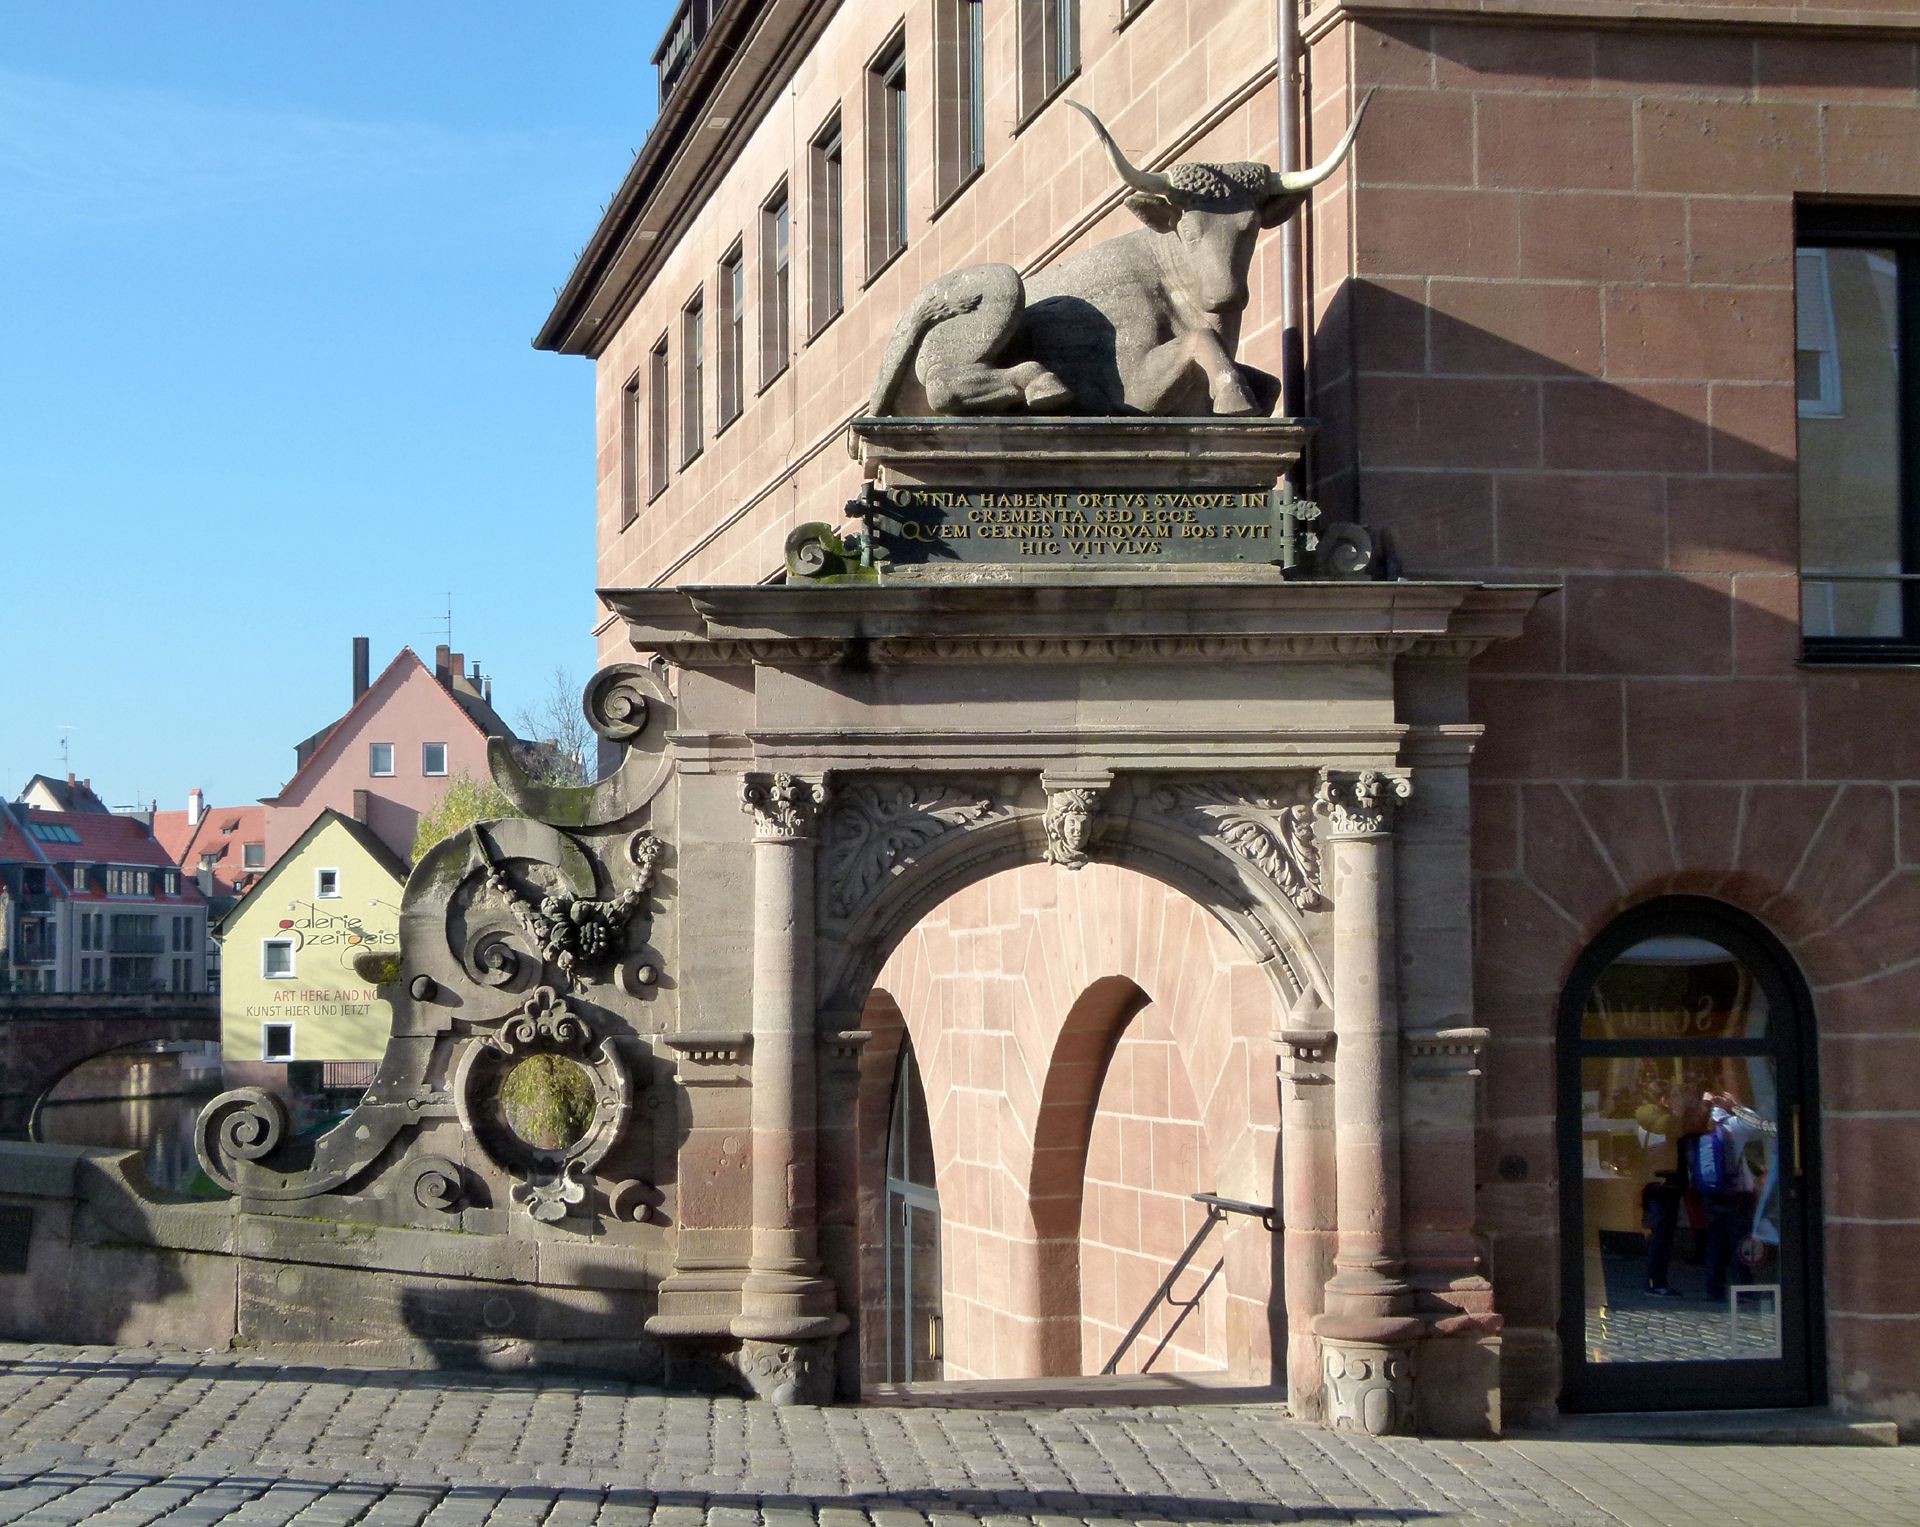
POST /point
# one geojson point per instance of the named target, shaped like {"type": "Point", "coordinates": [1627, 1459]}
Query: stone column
{"type": "Point", "coordinates": [1366, 1330]}
{"type": "Point", "coordinates": [787, 1319]}
{"type": "Point", "coordinates": [1308, 1175]}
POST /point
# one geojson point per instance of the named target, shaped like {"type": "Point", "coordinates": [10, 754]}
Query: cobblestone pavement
{"type": "Point", "coordinates": [94, 1434]}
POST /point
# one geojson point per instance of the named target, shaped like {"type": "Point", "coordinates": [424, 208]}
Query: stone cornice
{"type": "Point", "coordinates": [1743, 15]}
{"type": "Point", "coordinates": [1099, 616]}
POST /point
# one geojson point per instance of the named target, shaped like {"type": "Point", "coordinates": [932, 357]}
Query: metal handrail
{"type": "Point", "coordinates": [1219, 1208]}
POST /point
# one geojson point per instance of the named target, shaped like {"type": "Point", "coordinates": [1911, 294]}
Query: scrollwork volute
{"type": "Point", "coordinates": [1360, 804]}
{"type": "Point", "coordinates": [784, 807]}
{"type": "Point", "coordinates": [246, 1124]}
{"type": "Point", "coordinates": [617, 701]}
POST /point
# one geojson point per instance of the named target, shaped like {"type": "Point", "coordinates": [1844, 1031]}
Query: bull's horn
{"type": "Point", "coordinates": [1140, 180]}
{"type": "Point", "coordinates": [1281, 183]}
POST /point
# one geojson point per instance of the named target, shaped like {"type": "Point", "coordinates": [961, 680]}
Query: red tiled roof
{"type": "Point", "coordinates": [107, 840]}
{"type": "Point", "coordinates": [223, 831]}
{"type": "Point", "coordinates": [14, 847]}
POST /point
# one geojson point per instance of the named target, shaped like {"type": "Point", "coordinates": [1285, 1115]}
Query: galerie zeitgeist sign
{"type": "Point", "coordinates": [919, 525]}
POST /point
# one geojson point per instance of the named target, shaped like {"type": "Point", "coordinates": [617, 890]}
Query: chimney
{"type": "Point", "coordinates": [361, 800]}
{"type": "Point", "coordinates": [361, 667]}
{"type": "Point", "coordinates": [459, 661]}
{"type": "Point", "coordinates": [442, 662]}
{"type": "Point", "coordinates": [196, 806]}
{"type": "Point", "coordinates": [71, 781]}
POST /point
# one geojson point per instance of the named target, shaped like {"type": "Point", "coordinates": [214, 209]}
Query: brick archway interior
{"type": "Point", "coordinates": [1095, 1046]}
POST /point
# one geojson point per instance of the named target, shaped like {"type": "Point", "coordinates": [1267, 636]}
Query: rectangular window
{"type": "Point", "coordinates": [959, 89]}
{"type": "Point", "coordinates": [657, 386]}
{"type": "Point", "coordinates": [380, 759]}
{"type": "Point", "coordinates": [776, 286]}
{"type": "Point", "coordinates": [1049, 50]}
{"type": "Point", "coordinates": [731, 293]}
{"type": "Point", "coordinates": [433, 759]}
{"type": "Point", "coordinates": [276, 1041]}
{"type": "Point", "coordinates": [1856, 319]}
{"type": "Point", "coordinates": [630, 451]}
{"type": "Point", "coordinates": [887, 153]}
{"type": "Point", "coordinates": [826, 234]}
{"type": "Point", "coordinates": [693, 376]}
{"type": "Point", "coordinates": [276, 959]}
{"type": "Point", "coordinates": [77, 877]}
{"type": "Point", "coordinates": [253, 856]}
{"type": "Point", "coordinates": [326, 884]}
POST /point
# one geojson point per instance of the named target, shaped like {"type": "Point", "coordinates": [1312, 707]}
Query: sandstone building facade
{"type": "Point", "coordinates": [1610, 298]}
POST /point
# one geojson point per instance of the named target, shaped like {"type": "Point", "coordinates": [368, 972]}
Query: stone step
{"type": "Point", "coordinates": [1812, 1426]}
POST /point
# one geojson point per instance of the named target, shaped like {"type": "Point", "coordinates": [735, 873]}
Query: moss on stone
{"type": "Point", "coordinates": [547, 1100]}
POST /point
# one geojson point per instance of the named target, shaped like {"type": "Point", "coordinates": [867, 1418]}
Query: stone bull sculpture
{"type": "Point", "coordinates": [1146, 323]}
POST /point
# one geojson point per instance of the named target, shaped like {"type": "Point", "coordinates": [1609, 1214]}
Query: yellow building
{"type": "Point", "coordinates": [295, 1016]}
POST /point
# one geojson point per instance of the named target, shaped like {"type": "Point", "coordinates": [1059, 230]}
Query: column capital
{"type": "Point", "coordinates": [785, 807]}
{"type": "Point", "coordinates": [1359, 804]}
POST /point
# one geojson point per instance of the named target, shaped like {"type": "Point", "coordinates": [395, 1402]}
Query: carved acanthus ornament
{"type": "Point", "coordinates": [1271, 833]}
{"type": "Point", "coordinates": [784, 806]}
{"type": "Point", "coordinates": [877, 826]}
{"type": "Point", "coordinates": [1359, 805]}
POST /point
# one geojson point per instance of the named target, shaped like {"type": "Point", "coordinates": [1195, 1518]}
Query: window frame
{"type": "Point", "coordinates": [959, 93]}
{"type": "Point", "coordinates": [1046, 70]}
{"type": "Point", "coordinates": [266, 962]}
{"type": "Point", "coordinates": [266, 1049]}
{"type": "Point", "coordinates": [373, 758]}
{"type": "Point", "coordinates": [776, 285]}
{"type": "Point", "coordinates": [693, 377]}
{"type": "Point", "coordinates": [730, 302]}
{"type": "Point", "coordinates": [320, 891]}
{"type": "Point", "coordinates": [1865, 226]}
{"type": "Point", "coordinates": [659, 419]}
{"type": "Point", "coordinates": [826, 225]}
{"type": "Point", "coordinates": [249, 852]}
{"type": "Point", "coordinates": [427, 773]}
{"type": "Point", "coordinates": [888, 167]}
{"type": "Point", "coordinates": [630, 426]}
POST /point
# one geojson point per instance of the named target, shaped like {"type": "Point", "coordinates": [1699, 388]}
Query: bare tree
{"type": "Point", "coordinates": [556, 744]}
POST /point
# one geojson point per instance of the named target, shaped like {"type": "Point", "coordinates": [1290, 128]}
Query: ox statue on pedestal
{"type": "Point", "coordinates": [1146, 323]}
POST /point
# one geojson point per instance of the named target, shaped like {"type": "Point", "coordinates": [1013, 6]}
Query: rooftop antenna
{"type": "Point", "coordinates": [443, 624]}
{"type": "Point", "coordinates": [66, 753]}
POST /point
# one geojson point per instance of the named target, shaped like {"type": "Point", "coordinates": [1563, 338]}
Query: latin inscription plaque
{"type": "Point", "coordinates": [1037, 526]}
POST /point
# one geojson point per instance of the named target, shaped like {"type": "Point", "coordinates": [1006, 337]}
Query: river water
{"type": "Point", "coordinates": [159, 1125]}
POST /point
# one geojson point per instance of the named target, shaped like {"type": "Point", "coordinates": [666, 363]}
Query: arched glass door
{"type": "Point", "coordinates": [912, 1233]}
{"type": "Point", "coordinates": [1687, 1168]}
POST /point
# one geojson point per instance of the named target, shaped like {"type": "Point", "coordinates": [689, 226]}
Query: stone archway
{"type": "Point", "coordinates": [1018, 990]}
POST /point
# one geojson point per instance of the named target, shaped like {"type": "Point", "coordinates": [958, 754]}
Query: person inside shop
{"type": "Point", "coordinates": [1713, 1133]}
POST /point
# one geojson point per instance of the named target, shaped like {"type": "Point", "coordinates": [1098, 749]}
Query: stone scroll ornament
{"type": "Point", "coordinates": [520, 938]}
{"type": "Point", "coordinates": [1165, 302]}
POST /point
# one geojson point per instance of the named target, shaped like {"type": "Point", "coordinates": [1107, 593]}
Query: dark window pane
{"type": "Point", "coordinates": [1675, 987]}
{"type": "Point", "coordinates": [1847, 365]}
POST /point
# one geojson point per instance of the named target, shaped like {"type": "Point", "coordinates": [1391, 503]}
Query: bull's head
{"type": "Point", "coordinates": [1216, 211]}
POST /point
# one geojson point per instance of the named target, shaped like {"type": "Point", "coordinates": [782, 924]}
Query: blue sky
{"type": "Point", "coordinates": [268, 278]}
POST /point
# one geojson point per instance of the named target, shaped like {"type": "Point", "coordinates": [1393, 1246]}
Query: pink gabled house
{"type": "Point", "coordinates": [389, 758]}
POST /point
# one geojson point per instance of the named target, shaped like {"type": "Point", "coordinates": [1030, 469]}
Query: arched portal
{"type": "Point", "coordinates": [1688, 1166]}
{"type": "Point", "coordinates": [1046, 1012]}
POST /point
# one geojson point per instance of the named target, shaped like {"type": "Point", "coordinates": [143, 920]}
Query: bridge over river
{"type": "Point", "coordinates": [44, 1036]}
